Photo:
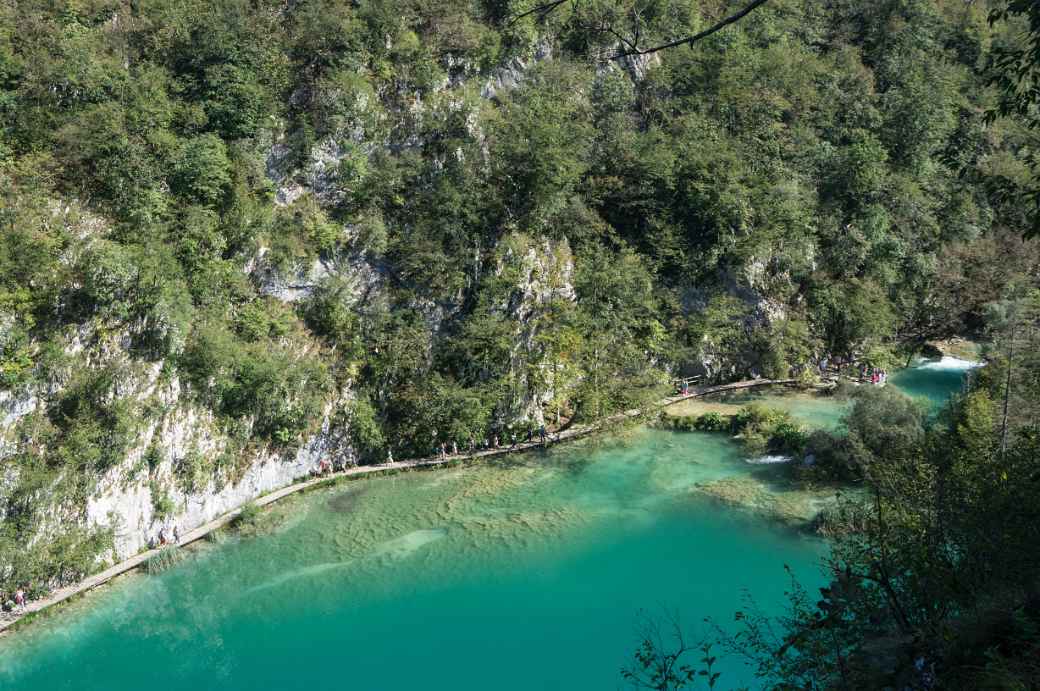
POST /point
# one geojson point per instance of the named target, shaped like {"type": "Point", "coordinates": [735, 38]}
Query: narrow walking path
{"type": "Point", "coordinates": [8, 619]}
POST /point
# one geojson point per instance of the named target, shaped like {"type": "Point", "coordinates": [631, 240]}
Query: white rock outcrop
{"type": "Point", "coordinates": [128, 505]}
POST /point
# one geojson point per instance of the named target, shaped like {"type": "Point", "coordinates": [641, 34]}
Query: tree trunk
{"type": "Point", "coordinates": [1007, 393]}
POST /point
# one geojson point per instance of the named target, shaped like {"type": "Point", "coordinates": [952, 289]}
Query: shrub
{"type": "Point", "coordinates": [829, 457]}
{"type": "Point", "coordinates": [346, 99]}
{"type": "Point", "coordinates": [139, 288]}
{"type": "Point", "coordinates": [191, 472]}
{"type": "Point", "coordinates": [252, 519]}
{"type": "Point", "coordinates": [754, 415]}
{"type": "Point", "coordinates": [229, 464]}
{"type": "Point", "coordinates": [280, 392]}
{"type": "Point", "coordinates": [711, 422]}
{"type": "Point", "coordinates": [166, 558]}
{"type": "Point", "coordinates": [152, 457]}
{"type": "Point", "coordinates": [706, 422]}
{"type": "Point", "coordinates": [52, 561]}
{"type": "Point", "coordinates": [162, 504]}
{"type": "Point", "coordinates": [365, 432]}
{"type": "Point", "coordinates": [787, 438]}
{"type": "Point", "coordinates": [262, 319]}
{"type": "Point", "coordinates": [249, 512]}
{"type": "Point", "coordinates": [442, 411]}
{"type": "Point", "coordinates": [108, 280]}
{"type": "Point", "coordinates": [202, 171]}
{"type": "Point", "coordinates": [885, 424]}
{"type": "Point", "coordinates": [371, 234]}
{"type": "Point", "coordinates": [15, 356]}
{"type": "Point", "coordinates": [767, 430]}
{"type": "Point", "coordinates": [328, 313]}
{"type": "Point", "coordinates": [682, 423]}
{"type": "Point", "coordinates": [94, 427]}
{"type": "Point", "coordinates": [302, 232]}
{"type": "Point", "coordinates": [149, 461]}
{"type": "Point", "coordinates": [217, 537]}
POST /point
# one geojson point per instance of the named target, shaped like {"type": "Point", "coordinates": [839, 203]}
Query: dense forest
{"type": "Point", "coordinates": [424, 222]}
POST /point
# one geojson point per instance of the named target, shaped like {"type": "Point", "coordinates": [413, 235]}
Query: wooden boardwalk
{"type": "Point", "coordinates": [8, 619]}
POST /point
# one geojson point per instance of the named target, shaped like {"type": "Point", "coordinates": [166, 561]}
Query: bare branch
{"type": "Point", "coordinates": [696, 37]}
{"type": "Point", "coordinates": [539, 10]}
{"type": "Point", "coordinates": [610, 30]}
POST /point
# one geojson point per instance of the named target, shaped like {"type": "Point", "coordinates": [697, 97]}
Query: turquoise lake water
{"type": "Point", "coordinates": [525, 574]}
{"type": "Point", "coordinates": [934, 380]}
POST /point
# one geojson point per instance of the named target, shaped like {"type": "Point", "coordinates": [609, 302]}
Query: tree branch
{"type": "Point", "coordinates": [755, 4]}
{"type": "Point", "coordinates": [540, 9]}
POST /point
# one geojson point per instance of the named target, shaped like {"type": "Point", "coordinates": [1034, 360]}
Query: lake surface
{"type": "Point", "coordinates": [934, 380]}
{"type": "Point", "coordinates": [530, 573]}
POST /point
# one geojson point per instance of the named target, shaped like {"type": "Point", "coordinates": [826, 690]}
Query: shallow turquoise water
{"type": "Point", "coordinates": [529, 574]}
{"type": "Point", "coordinates": [934, 380]}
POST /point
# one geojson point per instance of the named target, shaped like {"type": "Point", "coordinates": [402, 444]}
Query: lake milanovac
{"type": "Point", "coordinates": [527, 573]}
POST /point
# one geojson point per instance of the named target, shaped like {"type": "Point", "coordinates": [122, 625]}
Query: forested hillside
{"type": "Point", "coordinates": [236, 234]}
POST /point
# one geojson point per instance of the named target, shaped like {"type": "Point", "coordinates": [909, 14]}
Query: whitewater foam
{"type": "Point", "coordinates": [769, 460]}
{"type": "Point", "coordinates": [950, 364]}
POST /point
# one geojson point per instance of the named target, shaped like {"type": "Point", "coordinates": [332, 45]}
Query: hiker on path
{"type": "Point", "coordinates": [454, 449]}
{"type": "Point", "coordinates": [19, 599]}
{"type": "Point", "coordinates": [389, 457]}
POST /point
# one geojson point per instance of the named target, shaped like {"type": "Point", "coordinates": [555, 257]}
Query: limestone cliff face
{"type": "Point", "coordinates": [148, 488]}
{"type": "Point", "coordinates": [125, 498]}
{"type": "Point", "coordinates": [512, 74]}
{"type": "Point", "coordinates": [540, 273]}
{"type": "Point", "coordinates": [540, 277]}
{"type": "Point", "coordinates": [364, 279]}
{"type": "Point", "coordinates": [762, 291]}
{"type": "Point", "coordinates": [150, 485]}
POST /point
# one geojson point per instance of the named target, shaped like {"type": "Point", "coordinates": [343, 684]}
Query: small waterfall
{"type": "Point", "coordinates": [948, 363]}
{"type": "Point", "coordinates": [770, 460]}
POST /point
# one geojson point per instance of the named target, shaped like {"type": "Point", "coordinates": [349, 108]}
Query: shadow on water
{"type": "Point", "coordinates": [347, 501]}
